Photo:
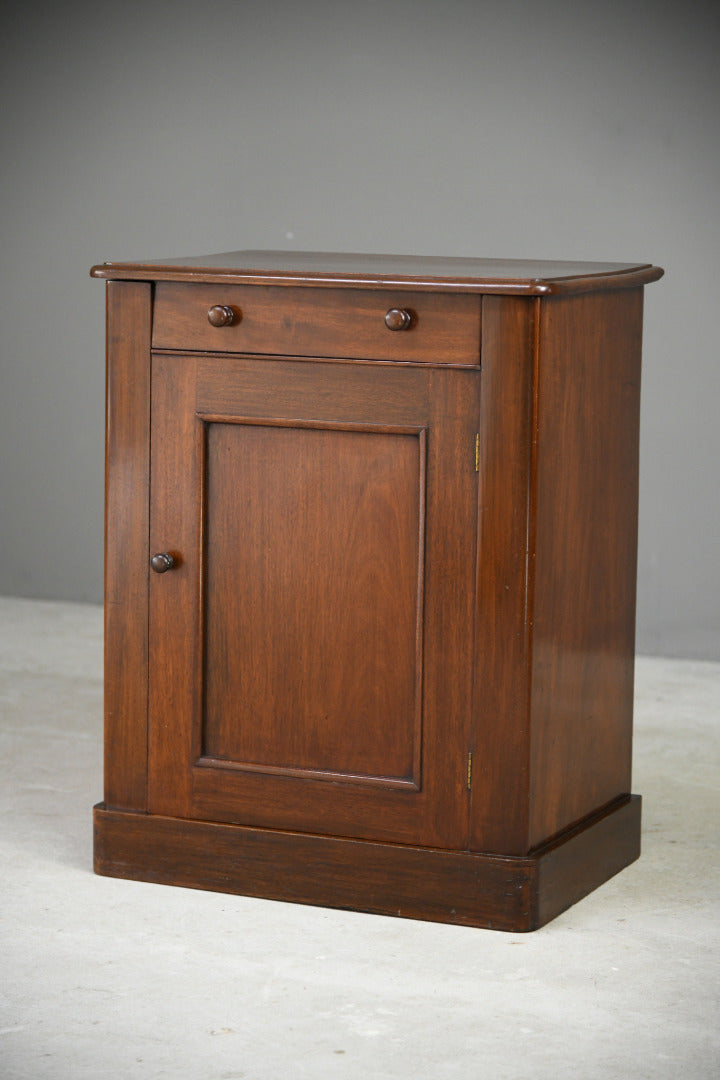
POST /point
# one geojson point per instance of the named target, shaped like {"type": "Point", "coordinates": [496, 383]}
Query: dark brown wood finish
{"type": "Point", "coordinates": [585, 556]}
{"type": "Point", "coordinates": [492, 891]}
{"type": "Point", "coordinates": [317, 697]}
{"type": "Point", "coordinates": [127, 473]}
{"type": "Point", "coordinates": [302, 636]}
{"type": "Point", "coordinates": [510, 277]}
{"type": "Point", "coordinates": [570, 867]}
{"type": "Point", "coordinates": [500, 739]}
{"type": "Point", "coordinates": [319, 322]}
{"type": "Point", "coordinates": [385, 658]}
{"type": "Point", "coordinates": [557, 559]}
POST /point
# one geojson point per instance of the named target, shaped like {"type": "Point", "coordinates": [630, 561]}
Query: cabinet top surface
{"type": "Point", "coordinates": [530, 277]}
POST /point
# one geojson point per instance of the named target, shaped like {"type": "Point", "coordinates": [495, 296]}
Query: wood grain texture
{"type": "Point", "coordinates": [569, 867]}
{"type": "Point", "coordinates": [432, 273]}
{"type": "Point", "coordinates": [512, 894]}
{"type": "Point", "coordinates": [388, 662]}
{"type": "Point", "coordinates": [557, 556]}
{"type": "Point", "coordinates": [313, 599]}
{"type": "Point", "coordinates": [501, 732]}
{"type": "Point", "coordinates": [319, 322]}
{"type": "Point", "coordinates": [371, 488]}
{"type": "Point", "coordinates": [585, 505]}
{"type": "Point", "coordinates": [127, 472]}
{"type": "Point", "coordinates": [176, 598]}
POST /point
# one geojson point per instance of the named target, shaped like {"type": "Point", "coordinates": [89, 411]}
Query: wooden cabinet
{"type": "Point", "coordinates": [370, 580]}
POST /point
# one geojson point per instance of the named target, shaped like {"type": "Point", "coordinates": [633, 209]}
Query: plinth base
{"type": "Point", "coordinates": [492, 891]}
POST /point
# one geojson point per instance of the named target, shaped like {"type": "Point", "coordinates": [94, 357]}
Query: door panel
{"type": "Point", "coordinates": [313, 600]}
{"type": "Point", "coordinates": [311, 650]}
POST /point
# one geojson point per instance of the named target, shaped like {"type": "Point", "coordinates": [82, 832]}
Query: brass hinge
{"type": "Point", "coordinates": [477, 453]}
{"type": "Point", "coordinates": [469, 770]}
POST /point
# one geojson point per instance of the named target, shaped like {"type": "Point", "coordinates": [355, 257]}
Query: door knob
{"type": "Point", "coordinates": [398, 319]}
{"type": "Point", "coordinates": [162, 562]}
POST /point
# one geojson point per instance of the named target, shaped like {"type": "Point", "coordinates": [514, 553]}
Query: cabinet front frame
{"type": "Point", "coordinates": [497, 733]}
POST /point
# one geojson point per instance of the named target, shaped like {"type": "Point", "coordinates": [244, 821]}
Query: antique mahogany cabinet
{"type": "Point", "coordinates": [371, 532]}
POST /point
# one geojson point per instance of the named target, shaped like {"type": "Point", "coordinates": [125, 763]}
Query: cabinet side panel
{"type": "Point", "coordinates": [500, 745]}
{"type": "Point", "coordinates": [586, 549]}
{"type": "Point", "coordinates": [126, 538]}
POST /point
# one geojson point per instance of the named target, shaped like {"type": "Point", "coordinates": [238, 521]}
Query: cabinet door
{"type": "Point", "coordinates": [311, 648]}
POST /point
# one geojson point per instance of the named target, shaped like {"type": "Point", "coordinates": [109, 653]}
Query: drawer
{"type": "Point", "coordinates": [442, 328]}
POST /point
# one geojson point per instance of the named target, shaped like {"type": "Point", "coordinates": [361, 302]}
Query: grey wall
{"type": "Point", "coordinates": [562, 130]}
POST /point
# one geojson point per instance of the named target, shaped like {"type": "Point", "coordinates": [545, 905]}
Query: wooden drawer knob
{"type": "Point", "coordinates": [162, 562]}
{"type": "Point", "coordinates": [398, 319]}
{"type": "Point", "coordinates": [222, 315]}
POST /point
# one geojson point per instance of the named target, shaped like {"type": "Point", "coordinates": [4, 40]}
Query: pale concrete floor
{"type": "Point", "coordinates": [102, 978]}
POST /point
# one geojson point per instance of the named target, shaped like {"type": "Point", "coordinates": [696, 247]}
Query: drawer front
{"type": "Point", "coordinates": [435, 328]}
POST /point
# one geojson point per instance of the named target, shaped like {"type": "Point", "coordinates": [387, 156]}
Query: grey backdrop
{"type": "Point", "coordinates": [558, 130]}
